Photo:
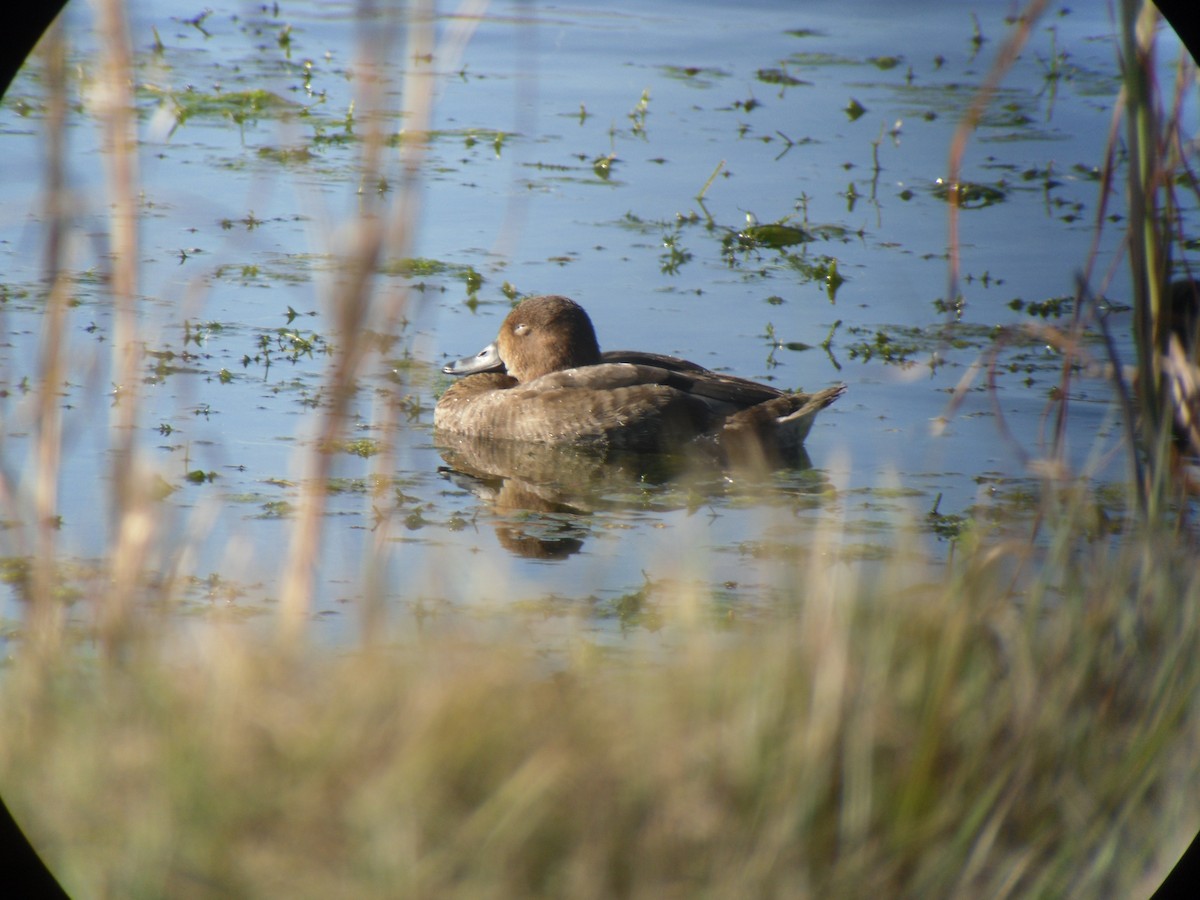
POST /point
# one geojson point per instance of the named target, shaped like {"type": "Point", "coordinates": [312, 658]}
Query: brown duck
{"type": "Point", "coordinates": [544, 379]}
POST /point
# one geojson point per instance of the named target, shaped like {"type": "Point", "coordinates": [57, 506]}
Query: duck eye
{"type": "Point", "coordinates": [521, 330]}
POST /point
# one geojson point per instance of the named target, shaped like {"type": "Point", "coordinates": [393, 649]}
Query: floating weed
{"type": "Point", "coordinates": [776, 344]}
{"type": "Point", "coordinates": [468, 137]}
{"type": "Point", "coordinates": [275, 509]}
{"type": "Point", "coordinates": [674, 257]}
{"type": "Point", "coordinates": [472, 279]}
{"type": "Point", "coordinates": [827, 271]}
{"type": "Point", "coordinates": [1024, 349]}
{"type": "Point", "coordinates": [371, 485]}
{"type": "Point", "coordinates": [362, 447]}
{"type": "Point", "coordinates": [286, 156]}
{"type": "Point", "coordinates": [199, 476]}
{"type": "Point", "coordinates": [986, 279]}
{"type": "Point", "coordinates": [1097, 510]}
{"type": "Point", "coordinates": [293, 344]}
{"type": "Point", "coordinates": [632, 222]}
{"type": "Point", "coordinates": [1053, 308]}
{"type": "Point", "coordinates": [774, 235]}
{"type": "Point", "coordinates": [747, 105]}
{"type": "Point", "coordinates": [25, 106]}
{"type": "Point", "coordinates": [412, 406]}
{"type": "Point", "coordinates": [73, 580]}
{"type": "Point", "coordinates": [1013, 109]}
{"type": "Point", "coordinates": [250, 222]}
{"type": "Point", "coordinates": [883, 345]}
{"type": "Point", "coordinates": [788, 143]}
{"type": "Point", "coordinates": [165, 363]}
{"type": "Point", "coordinates": [160, 488]}
{"type": "Point", "coordinates": [15, 570]}
{"type": "Point", "coordinates": [284, 40]}
{"type": "Point", "coordinates": [285, 343]}
{"type": "Point", "coordinates": [832, 232]}
{"type": "Point", "coordinates": [638, 114]}
{"type": "Point", "coordinates": [805, 32]}
{"type": "Point", "coordinates": [12, 293]}
{"type": "Point", "coordinates": [969, 194]}
{"type": "Point", "coordinates": [602, 166]}
{"type": "Point", "coordinates": [820, 269]}
{"type": "Point", "coordinates": [854, 110]}
{"type": "Point", "coordinates": [216, 587]}
{"type": "Point", "coordinates": [779, 77]}
{"type": "Point", "coordinates": [323, 138]}
{"type": "Point", "coordinates": [240, 107]}
{"type": "Point", "coordinates": [694, 76]}
{"type": "Point", "coordinates": [91, 276]}
{"type": "Point", "coordinates": [423, 267]}
{"type": "Point", "coordinates": [817, 59]}
{"type": "Point", "coordinates": [944, 525]}
{"type": "Point", "coordinates": [955, 307]}
{"type": "Point", "coordinates": [414, 520]}
{"type": "Point", "coordinates": [254, 498]}
{"type": "Point", "coordinates": [198, 333]}
{"type": "Point", "coordinates": [633, 610]}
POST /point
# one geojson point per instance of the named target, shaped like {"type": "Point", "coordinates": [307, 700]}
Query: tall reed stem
{"type": "Point", "coordinates": [1147, 242]}
{"type": "Point", "coordinates": [377, 232]}
{"type": "Point", "coordinates": [47, 615]}
{"type": "Point", "coordinates": [130, 512]}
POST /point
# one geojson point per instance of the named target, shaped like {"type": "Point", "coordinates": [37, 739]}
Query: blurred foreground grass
{"type": "Point", "coordinates": [961, 738]}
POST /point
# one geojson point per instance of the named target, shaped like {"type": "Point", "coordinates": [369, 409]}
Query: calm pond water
{"type": "Point", "coordinates": [571, 143]}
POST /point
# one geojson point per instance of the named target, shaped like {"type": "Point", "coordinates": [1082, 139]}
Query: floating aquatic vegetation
{"type": "Point", "coordinates": [780, 77]}
{"type": "Point", "coordinates": [695, 76]}
{"type": "Point", "coordinates": [774, 235]}
{"type": "Point", "coordinates": [969, 194]}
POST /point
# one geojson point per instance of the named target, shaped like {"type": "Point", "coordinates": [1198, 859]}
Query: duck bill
{"type": "Point", "coordinates": [486, 360]}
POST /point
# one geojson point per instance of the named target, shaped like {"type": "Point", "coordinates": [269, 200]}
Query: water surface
{"type": "Point", "coordinates": [571, 144]}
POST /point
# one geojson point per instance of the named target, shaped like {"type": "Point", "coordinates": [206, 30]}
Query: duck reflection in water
{"type": "Point", "coordinates": [543, 494]}
{"type": "Point", "coordinates": [562, 423]}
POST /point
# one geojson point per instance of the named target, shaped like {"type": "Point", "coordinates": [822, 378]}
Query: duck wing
{"type": "Point", "coordinates": [696, 380]}
{"type": "Point", "coordinates": [643, 358]}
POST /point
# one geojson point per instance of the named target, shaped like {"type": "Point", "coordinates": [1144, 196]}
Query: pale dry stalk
{"type": "Point", "coordinates": [130, 512]}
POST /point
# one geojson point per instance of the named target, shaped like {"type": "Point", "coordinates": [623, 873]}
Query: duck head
{"type": "Point", "coordinates": [541, 335]}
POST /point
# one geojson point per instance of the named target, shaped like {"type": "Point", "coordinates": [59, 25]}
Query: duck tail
{"type": "Point", "coordinates": [774, 431]}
